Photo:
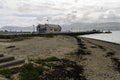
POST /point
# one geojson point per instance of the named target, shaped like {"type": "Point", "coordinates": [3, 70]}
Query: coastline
{"type": "Point", "coordinates": [104, 60]}
{"type": "Point", "coordinates": [113, 37]}
{"type": "Point", "coordinates": [102, 41]}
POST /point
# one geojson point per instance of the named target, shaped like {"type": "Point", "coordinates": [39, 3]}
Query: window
{"type": "Point", "coordinates": [55, 29]}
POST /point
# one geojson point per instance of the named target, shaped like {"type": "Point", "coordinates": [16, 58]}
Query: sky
{"type": "Point", "coordinates": [29, 12]}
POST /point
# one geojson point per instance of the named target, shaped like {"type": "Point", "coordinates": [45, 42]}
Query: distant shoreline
{"type": "Point", "coordinates": [102, 41]}
{"type": "Point", "coordinates": [113, 37]}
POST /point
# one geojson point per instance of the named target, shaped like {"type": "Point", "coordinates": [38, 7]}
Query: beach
{"type": "Point", "coordinates": [40, 47]}
{"type": "Point", "coordinates": [100, 65]}
{"type": "Point", "coordinates": [97, 60]}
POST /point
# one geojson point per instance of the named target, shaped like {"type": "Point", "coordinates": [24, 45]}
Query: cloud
{"type": "Point", "coordinates": [23, 12]}
{"type": "Point", "coordinates": [1, 4]}
{"type": "Point", "coordinates": [110, 16]}
{"type": "Point", "coordinates": [76, 1]}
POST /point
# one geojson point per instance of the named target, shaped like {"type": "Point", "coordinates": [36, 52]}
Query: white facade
{"type": "Point", "coordinates": [48, 28]}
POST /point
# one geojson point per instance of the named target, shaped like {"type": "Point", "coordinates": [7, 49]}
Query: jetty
{"type": "Point", "coordinates": [56, 33]}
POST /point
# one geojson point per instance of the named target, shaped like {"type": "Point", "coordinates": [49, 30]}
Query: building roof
{"type": "Point", "coordinates": [49, 25]}
{"type": "Point", "coordinates": [53, 25]}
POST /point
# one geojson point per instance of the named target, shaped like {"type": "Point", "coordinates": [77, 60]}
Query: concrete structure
{"type": "Point", "coordinates": [48, 28]}
{"type": "Point", "coordinates": [10, 61]}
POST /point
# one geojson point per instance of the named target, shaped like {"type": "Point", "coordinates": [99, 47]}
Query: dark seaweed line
{"type": "Point", "coordinates": [101, 47]}
{"type": "Point", "coordinates": [116, 63]}
{"type": "Point", "coordinates": [81, 46]}
{"type": "Point", "coordinates": [67, 70]}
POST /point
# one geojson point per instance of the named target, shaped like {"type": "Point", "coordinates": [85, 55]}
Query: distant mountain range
{"type": "Point", "coordinates": [17, 28]}
{"type": "Point", "coordinates": [90, 26]}
{"type": "Point", "coordinates": [71, 27]}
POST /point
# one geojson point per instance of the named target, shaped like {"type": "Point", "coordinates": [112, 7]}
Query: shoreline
{"type": "Point", "coordinates": [104, 60]}
{"type": "Point", "coordinates": [102, 40]}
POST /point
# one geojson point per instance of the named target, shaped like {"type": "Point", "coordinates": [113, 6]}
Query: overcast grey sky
{"type": "Point", "coordinates": [29, 12]}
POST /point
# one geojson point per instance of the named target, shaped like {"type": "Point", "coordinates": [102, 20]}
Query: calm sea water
{"type": "Point", "coordinates": [111, 37]}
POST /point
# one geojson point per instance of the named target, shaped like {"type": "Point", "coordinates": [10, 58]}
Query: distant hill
{"type": "Point", "coordinates": [90, 26]}
{"type": "Point", "coordinates": [17, 28]}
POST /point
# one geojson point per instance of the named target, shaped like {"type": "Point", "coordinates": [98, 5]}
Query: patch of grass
{"type": "Point", "coordinates": [5, 37]}
{"type": "Point", "coordinates": [24, 36]}
{"type": "Point", "coordinates": [6, 73]}
{"type": "Point", "coordinates": [65, 70]}
{"type": "Point", "coordinates": [50, 64]}
{"type": "Point", "coordinates": [51, 59]}
{"type": "Point", "coordinates": [9, 72]}
{"type": "Point", "coordinates": [27, 72]}
{"type": "Point", "coordinates": [48, 36]}
{"type": "Point", "coordinates": [30, 72]}
{"type": "Point", "coordinates": [43, 61]}
{"type": "Point", "coordinates": [47, 62]}
{"type": "Point", "coordinates": [14, 37]}
{"type": "Point", "coordinates": [20, 38]}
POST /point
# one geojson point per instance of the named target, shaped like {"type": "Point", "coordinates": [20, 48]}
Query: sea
{"type": "Point", "coordinates": [110, 37]}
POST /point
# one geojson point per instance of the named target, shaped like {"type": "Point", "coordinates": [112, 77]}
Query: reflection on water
{"type": "Point", "coordinates": [111, 37]}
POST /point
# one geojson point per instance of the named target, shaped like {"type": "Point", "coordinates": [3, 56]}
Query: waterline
{"type": "Point", "coordinates": [110, 37]}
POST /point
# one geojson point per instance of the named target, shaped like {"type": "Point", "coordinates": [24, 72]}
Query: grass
{"type": "Point", "coordinates": [14, 37]}
{"type": "Point", "coordinates": [47, 62]}
{"type": "Point", "coordinates": [43, 61]}
{"type": "Point", "coordinates": [52, 59]}
{"type": "Point", "coordinates": [19, 38]}
{"type": "Point", "coordinates": [24, 36]}
{"type": "Point", "coordinates": [6, 73]}
{"type": "Point", "coordinates": [30, 72]}
{"type": "Point", "coordinates": [9, 72]}
{"type": "Point", "coordinates": [50, 65]}
{"type": "Point", "coordinates": [27, 72]}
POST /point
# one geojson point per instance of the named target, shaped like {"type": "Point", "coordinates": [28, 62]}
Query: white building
{"type": "Point", "coordinates": [48, 28]}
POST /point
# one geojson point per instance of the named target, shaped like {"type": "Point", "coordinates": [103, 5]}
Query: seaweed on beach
{"type": "Point", "coordinates": [81, 46]}
{"type": "Point", "coordinates": [82, 52]}
{"type": "Point", "coordinates": [10, 47]}
{"type": "Point", "coordinates": [60, 69]}
{"type": "Point", "coordinates": [81, 43]}
{"type": "Point", "coordinates": [96, 45]}
{"type": "Point", "coordinates": [117, 63]}
{"type": "Point", "coordinates": [65, 70]}
{"type": "Point", "coordinates": [110, 54]}
{"type": "Point", "coordinates": [101, 47]}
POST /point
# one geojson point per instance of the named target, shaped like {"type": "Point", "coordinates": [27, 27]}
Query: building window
{"type": "Point", "coordinates": [55, 29]}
